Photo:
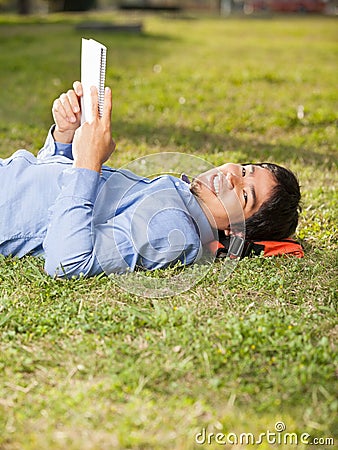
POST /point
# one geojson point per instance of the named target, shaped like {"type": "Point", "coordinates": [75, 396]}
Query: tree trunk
{"type": "Point", "coordinates": [24, 7]}
{"type": "Point", "coordinates": [78, 5]}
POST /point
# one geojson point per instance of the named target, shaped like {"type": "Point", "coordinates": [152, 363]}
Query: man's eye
{"type": "Point", "coordinates": [243, 171]}
{"type": "Point", "coordinates": [245, 196]}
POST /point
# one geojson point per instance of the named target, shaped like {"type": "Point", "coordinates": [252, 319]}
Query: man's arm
{"type": "Point", "coordinates": [69, 242]}
{"type": "Point", "coordinates": [66, 112]}
{"type": "Point", "coordinates": [93, 143]}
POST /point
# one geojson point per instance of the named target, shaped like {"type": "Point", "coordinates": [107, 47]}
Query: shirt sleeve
{"type": "Point", "coordinates": [146, 241]}
{"type": "Point", "coordinates": [52, 148]}
{"type": "Point", "coordinates": [171, 237]}
{"type": "Point", "coordinates": [68, 244]}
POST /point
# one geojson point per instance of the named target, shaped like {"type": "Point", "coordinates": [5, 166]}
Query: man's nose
{"type": "Point", "coordinates": [233, 180]}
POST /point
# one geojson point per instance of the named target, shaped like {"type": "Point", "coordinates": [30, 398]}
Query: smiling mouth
{"type": "Point", "coordinates": [215, 184]}
{"type": "Point", "coordinates": [219, 182]}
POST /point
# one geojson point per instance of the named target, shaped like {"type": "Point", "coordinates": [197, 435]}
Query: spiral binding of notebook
{"type": "Point", "coordinates": [102, 80]}
{"type": "Point", "coordinates": [93, 73]}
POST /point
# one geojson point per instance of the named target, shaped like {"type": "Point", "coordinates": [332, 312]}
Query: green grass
{"type": "Point", "coordinates": [86, 365]}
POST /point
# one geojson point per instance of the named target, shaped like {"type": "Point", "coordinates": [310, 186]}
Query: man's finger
{"type": "Point", "coordinates": [65, 101]}
{"type": "Point", "coordinates": [59, 109]}
{"type": "Point", "coordinates": [95, 102]}
{"type": "Point", "coordinates": [107, 107]}
{"type": "Point", "coordinates": [73, 100]}
{"type": "Point", "coordinates": [77, 86]}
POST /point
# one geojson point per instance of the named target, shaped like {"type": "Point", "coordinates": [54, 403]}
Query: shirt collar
{"type": "Point", "coordinates": [207, 232]}
{"type": "Point", "coordinates": [185, 178]}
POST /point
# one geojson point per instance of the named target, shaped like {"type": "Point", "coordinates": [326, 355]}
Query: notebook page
{"type": "Point", "coordinates": [93, 73]}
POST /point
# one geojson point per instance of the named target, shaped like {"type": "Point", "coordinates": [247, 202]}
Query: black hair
{"type": "Point", "coordinates": [278, 216]}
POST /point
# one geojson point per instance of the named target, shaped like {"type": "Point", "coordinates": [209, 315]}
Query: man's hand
{"type": "Point", "coordinates": [66, 112]}
{"type": "Point", "coordinates": [93, 143]}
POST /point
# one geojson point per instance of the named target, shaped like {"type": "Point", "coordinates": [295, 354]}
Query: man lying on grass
{"type": "Point", "coordinates": [49, 203]}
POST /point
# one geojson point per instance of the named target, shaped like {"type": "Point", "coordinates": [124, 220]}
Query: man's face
{"type": "Point", "coordinates": [232, 192]}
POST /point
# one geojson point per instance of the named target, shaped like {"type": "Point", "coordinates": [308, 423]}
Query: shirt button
{"type": "Point", "coordinates": [62, 152]}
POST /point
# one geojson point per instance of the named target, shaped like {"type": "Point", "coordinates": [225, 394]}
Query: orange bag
{"type": "Point", "coordinates": [235, 246]}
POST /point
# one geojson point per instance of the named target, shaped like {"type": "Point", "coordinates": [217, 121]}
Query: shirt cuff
{"type": "Point", "coordinates": [52, 148]}
{"type": "Point", "coordinates": [80, 183]}
{"type": "Point", "coordinates": [64, 150]}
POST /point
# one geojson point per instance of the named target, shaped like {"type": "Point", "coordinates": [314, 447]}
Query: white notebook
{"type": "Point", "coordinates": [93, 73]}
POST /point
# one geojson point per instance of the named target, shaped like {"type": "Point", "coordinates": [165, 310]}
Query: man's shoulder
{"type": "Point", "coordinates": [20, 154]}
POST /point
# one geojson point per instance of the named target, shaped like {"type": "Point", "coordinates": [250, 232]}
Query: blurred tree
{"type": "Point", "coordinates": [78, 5]}
{"type": "Point", "coordinates": [24, 6]}
{"type": "Point", "coordinates": [71, 5]}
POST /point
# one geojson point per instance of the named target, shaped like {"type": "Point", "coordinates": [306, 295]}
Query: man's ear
{"type": "Point", "coordinates": [227, 231]}
{"type": "Point", "coordinates": [234, 232]}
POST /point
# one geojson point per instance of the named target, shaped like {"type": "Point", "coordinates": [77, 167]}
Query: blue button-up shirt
{"type": "Point", "coordinates": [82, 222]}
